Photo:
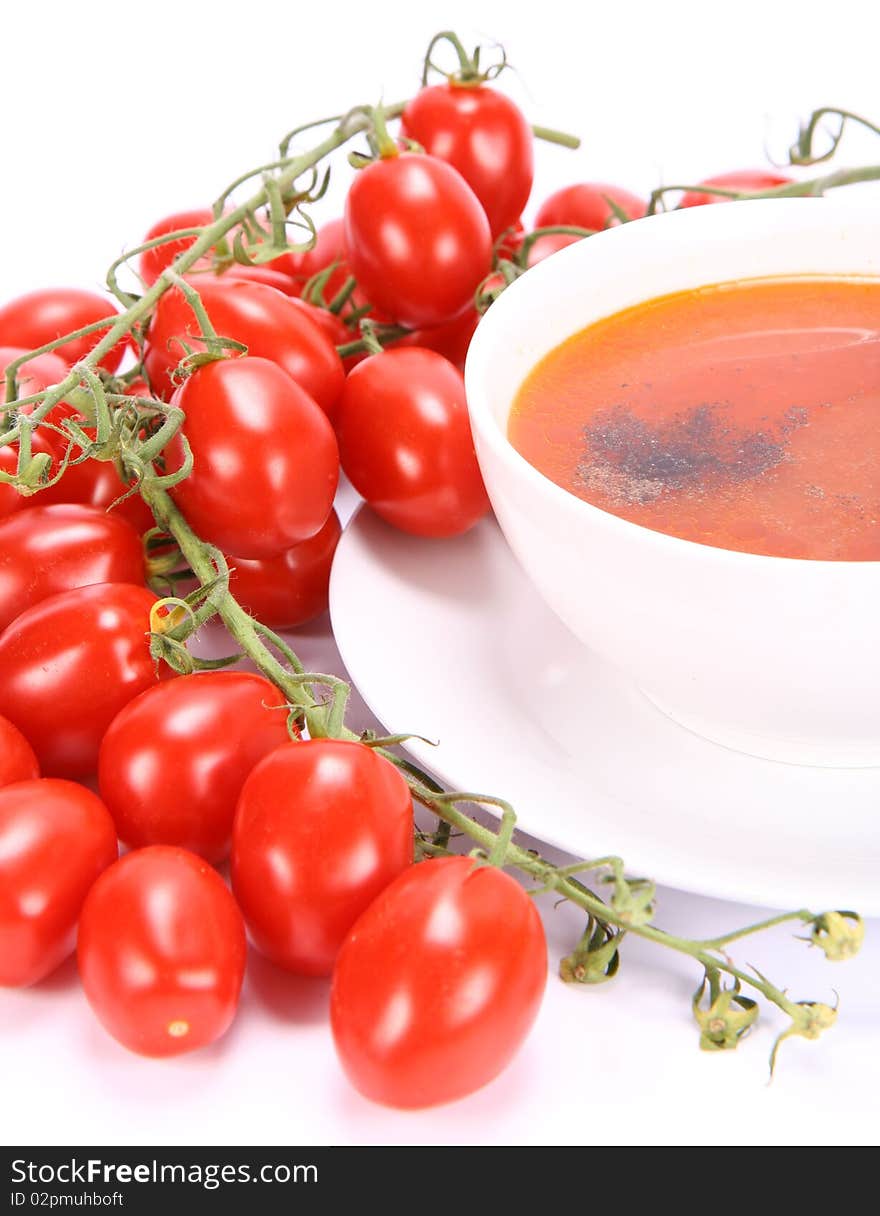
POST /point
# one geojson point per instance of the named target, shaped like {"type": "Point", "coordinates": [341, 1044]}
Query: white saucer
{"type": "Point", "coordinates": [449, 640]}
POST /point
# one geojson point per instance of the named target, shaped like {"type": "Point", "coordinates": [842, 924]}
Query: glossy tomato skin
{"type": "Point", "coordinates": [174, 759]}
{"type": "Point", "coordinates": [256, 274]}
{"type": "Point", "coordinates": [750, 181]}
{"type": "Point", "coordinates": [45, 550]}
{"type": "Point", "coordinates": [547, 245]}
{"type": "Point", "coordinates": [69, 664]}
{"type": "Point", "coordinates": [263, 319]}
{"type": "Point", "coordinates": [406, 444]}
{"type": "Point", "coordinates": [266, 463]}
{"type": "Point", "coordinates": [418, 240]}
{"type": "Point", "coordinates": [17, 759]}
{"type": "Point", "coordinates": [41, 316]}
{"type": "Point", "coordinates": [329, 247]}
{"type": "Point", "coordinates": [153, 261]}
{"type": "Point", "coordinates": [450, 340]}
{"type": "Point", "coordinates": [161, 952]}
{"type": "Point", "coordinates": [332, 326]}
{"type": "Point", "coordinates": [56, 838]}
{"type": "Point", "coordinates": [585, 205]}
{"type": "Point", "coordinates": [291, 589]}
{"type": "Point", "coordinates": [321, 828]}
{"type": "Point", "coordinates": [483, 135]}
{"type": "Point", "coordinates": [438, 983]}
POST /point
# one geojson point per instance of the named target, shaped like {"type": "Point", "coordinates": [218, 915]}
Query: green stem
{"type": "Point", "coordinates": [551, 136]}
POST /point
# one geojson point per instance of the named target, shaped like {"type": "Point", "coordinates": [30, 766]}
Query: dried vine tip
{"type": "Point", "coordinates": [838, 934]}
{"type": "Point", "coordinates": [728, 1017]}
{"type": "Point", "coordinates": [808, 1020]}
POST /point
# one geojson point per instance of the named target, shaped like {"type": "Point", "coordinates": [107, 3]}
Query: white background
{"type": "Point", "coordinates": [113, 115]}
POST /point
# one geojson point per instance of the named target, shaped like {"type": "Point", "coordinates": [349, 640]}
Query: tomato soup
{"type": "Point", "coordinates": [744, 415]}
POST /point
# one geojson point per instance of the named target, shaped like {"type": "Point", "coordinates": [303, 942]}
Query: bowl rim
{"type": "Point", "coordinates": [518, 296]}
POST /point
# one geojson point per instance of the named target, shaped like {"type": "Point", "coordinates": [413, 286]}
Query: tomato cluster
{"type": "Point", "coordinates": [278, 371]}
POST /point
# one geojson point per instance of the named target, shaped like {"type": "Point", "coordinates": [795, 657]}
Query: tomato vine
{"type": "Point", "coordinates": [134, 432]}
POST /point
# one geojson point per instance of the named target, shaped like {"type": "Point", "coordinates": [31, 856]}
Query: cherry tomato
{"type": "Point", "coordinates": [263, 319]}
{"type": "Point", "coordinates": [266, 462]}
{"type": "Point", "coordinates": [321, 828]}
{"type": "Point", "coordinates": [329, 247]}
{"type": "Point", "coordinates": [438, 983]}
{"type": "Point", "coordinates": [332, 326]}
{"type": "Point", "coordinates": [544, 246]}
{"type": "Point", "coordinates": [153, 261]}
{"type": "Point", "coordinates": [173, 761]}
{"type": "Point", "coordinates": [586, 205]}
{"type": "Point", "coordinates": [483, 135]}
{"type": "Point", "coordinates": [417, 237]}
{"type": "Point", "coordinates": [96, 483]}
{"type": "Point", "coordinates": [55, 839]}
{"type": "Point", "coordinates": [749, 181]}
{"type": "Point", "coordinates": [290, 589]}
{"type": "Point", "coordinates": [450, 340]}
{"type": "Point", "coordinates": [17, 759]}
{"type": "Point", "coordinates": [41, 316]}
{"type": "Point", "coordinates": [44, 550]}
{"type": "Point", "coordinates": [35, 376]}
{"type": "Point", "coordinates": [266, 275]}
{"type": "Point", "coordinates": [69, 664]}
{"type": "Point", "coordinates": [161, 952]}
{"type": "Point", "coordinates": [406, 445]}
{"type": "Point", "coordinates": [510, 241]}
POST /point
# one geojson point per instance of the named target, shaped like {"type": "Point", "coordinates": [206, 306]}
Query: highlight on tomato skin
{"type": "Point", "coordinates": [438, 984]}
{"type": "Point", "coordinates": [48, 549]}
{"type": "Point", "coordinates": [406, 445]}
{"type": "Point", "coordinates": [237, 410]}
{"type": "Point", "coordinates": [322, 827]}
{"type": "Point", "coordinates": [68, 665]}
{"type": "Point", "coordinates": [56, 838]}
{"type": "Point", "coordinates": [174, 759]}
{"type": "Point", "coordinates": [154, 920]}
{"type": "Point", "coordinates": [485, 136]}
{"type": "Point", "coordinates": [41, 316]}
{"type": "Point", "coordinates": [588, 205]}
{"type": "Point", "coordinates": [423, 269]}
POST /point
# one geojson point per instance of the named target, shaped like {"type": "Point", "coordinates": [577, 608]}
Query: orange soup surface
{"type": "Point", "coordinates": [745, 415]}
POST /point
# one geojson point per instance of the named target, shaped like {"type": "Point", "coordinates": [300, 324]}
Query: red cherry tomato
{"type": "Point", "coordinates": [44, 550]}
{"type": "Point", "coordinates": [41, 316]}
{"type": "Point", "coordinates": [406, 445]}
{"type": "Point", "coordinates": [55, 839]}
{"type": "Point", "coordinates": [267, 322]}
{"type": "Point", "coordinates": [333, 327]}
{"type": "Point", "coordinates": [483, 135]}
{"type": "Point", "coordinates": [544, 246]}
{"type": "Point", "coordinates": [266, 462]}
{"type": "Point", "coordinates": [417, 237]}
{"type": "Point", "coordinates": [321, 828]}
{"type": "Point", "coordinates": [17, 759]}
{"type": "Point", "coordinates": [510, 241]}
{"type": "Point", "coordinates": [438, 983]}
{"type": "Point", "coordinates": [586, 205]}
{"type": "Point", "coordinates": [329, 247]}
{"type": "Point", "coordinates": [69, 664]}
{"type": "Point", "coordinates": [173, 761]}
{"type": "Point", "coordinates": [748, 181]}
{"type": "Point", "coordinates": [266, 275]}
{"type": "Point", "coordinates": [161, 952]}
{"type": "Point", "coordinates": [94, 483]}
{"type": "Point", "coordinates": [153, 261]}
{"type": "Point", "coordinates": [450, 340]}
{"type": "Point", "coordinates": [35, 376]}
{"type": "Point", "coordinates": [290, 589]}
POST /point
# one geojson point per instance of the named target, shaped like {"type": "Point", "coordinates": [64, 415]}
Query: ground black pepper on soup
{"type": "Point", "coordinates": [744, 415]}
